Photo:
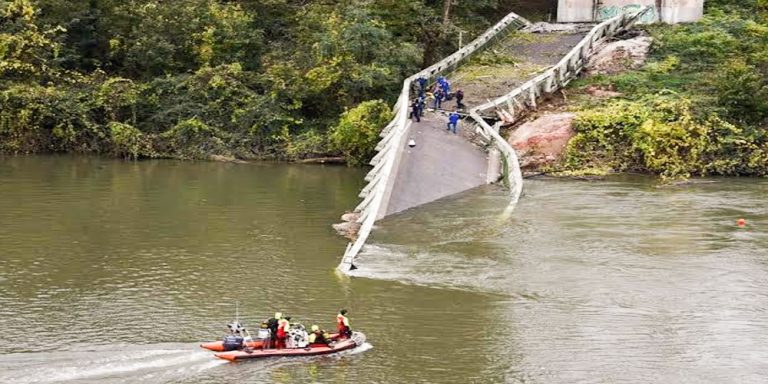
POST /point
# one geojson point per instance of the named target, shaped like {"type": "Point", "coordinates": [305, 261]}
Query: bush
{"type": "Point", "coordinates": [665, 136]}
{"type": "Point", "coordinates": [357, 132]}
{"type": "Point", "coordinates": [194, 139]}
{"type": "Point", "coordinates": [127, 141]}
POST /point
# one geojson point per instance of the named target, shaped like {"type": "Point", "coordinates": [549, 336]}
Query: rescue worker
{"type": "Point", "coordinates": [318, 336]}
{"type": "Point", "coordinates": [283, 326]}
{"type": "Point", "coordinates": [272, 325]}
{"type": "Point", "coordinates": [342, 324]}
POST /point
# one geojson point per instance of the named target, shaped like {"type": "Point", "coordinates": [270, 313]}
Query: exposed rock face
{"type": "Point", "coordinates": [542, 141]}
{"type": "Point", "coordinates": [619, 56]}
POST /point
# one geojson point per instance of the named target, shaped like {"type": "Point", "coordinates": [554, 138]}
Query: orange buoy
{"type": "Point", "coordinates": [741, 222]}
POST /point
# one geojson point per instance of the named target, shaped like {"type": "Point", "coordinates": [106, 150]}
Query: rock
{"type": "Point", "coordinates": [542, 141]}
{"type": "Point", "coordinates": [226, 159]}
{"type": "Point", "coordinates": [619, 56]}
{"type": "Point", "coordinates": [347, 229]}
{"type": "Point", "coordinates": [350, 216]}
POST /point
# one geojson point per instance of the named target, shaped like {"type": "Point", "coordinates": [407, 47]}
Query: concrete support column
{"type": "Point", "coordinates": [681, 11]}
{"type": "Point", "coordinates": [575, 11]}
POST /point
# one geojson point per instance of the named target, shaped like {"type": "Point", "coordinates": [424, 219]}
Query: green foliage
{"type": "Point", "coordinates": [357, 132]}
{"type": "Point", "coordinates": [128, 141]}
{"type": "Point", "coordinates": [665, 136]}
{"type": "Point", "coordinates": [698, 107]}
{"type": "Point", "coordinates": [191, 78]}
{"type": "Point", "coordinates": [742, 89]}
{"type": "Point", "coordinates": [192, 138]}
{"type": "Point", "coordinates": [38, 118]}
{"type": "Point", "coordinates": [307, 145]}
{"type": "Point", "coordinates": [24, 48]}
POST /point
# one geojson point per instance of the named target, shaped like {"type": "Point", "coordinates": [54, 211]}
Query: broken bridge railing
{"type": "Point", "coordinates": [515, 103]}
{"type": "Point", "coordinates": [380, 179]}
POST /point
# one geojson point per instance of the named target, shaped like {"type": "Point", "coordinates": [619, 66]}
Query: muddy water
{"type": "Point", "coordinates": [113, 272]}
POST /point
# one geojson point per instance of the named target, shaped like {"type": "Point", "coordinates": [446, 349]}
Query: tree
{"type": "Point", "coordinates": [357, 132]}
{"type": "Point", "coordinates": [25, 50]}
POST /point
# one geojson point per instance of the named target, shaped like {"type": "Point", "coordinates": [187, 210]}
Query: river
{"type": "Point", "coordinates": [113, 272]}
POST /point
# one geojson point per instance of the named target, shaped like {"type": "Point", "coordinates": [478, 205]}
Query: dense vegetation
{"type": "Point", "coordinates": [192, 78]}
{"type": "Point", "coordinates": [699, 107]}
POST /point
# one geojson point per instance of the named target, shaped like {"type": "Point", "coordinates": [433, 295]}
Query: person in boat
{"type": "Point", "coordinates": [342, 324]}
{"type": "Point", "coordinates": [235, 328]}
{"type": "Point", "coordinates": [272, 325]}
{"type": "Point", "coordinates": [319, 336]}
{"type": "Point", "coordinates": [283, 326]}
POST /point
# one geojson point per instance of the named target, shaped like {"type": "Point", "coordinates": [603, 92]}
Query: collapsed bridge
{"type": "Point", "coordinates": [438, 163]}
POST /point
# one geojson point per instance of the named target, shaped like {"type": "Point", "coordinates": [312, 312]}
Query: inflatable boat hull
{"type": "Point", "coordinates": [312, 350]}
{"type": "Point", "coordinates": [218, 346]}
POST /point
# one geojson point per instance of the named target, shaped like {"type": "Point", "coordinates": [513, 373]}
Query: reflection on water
{"type": "Point", "coordinates": [114, 271]}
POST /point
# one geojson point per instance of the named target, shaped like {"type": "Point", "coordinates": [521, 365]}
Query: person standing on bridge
{"type": "Point", "coordinates": [453, 120]}
{"type": "Point", "coordinates": [415, 110]}
{"type": "Point", "coordinates": [438, 98]}
{"type": "Point", "coordinates": [422, 85]}
{"type": "Point", "coordinates": [446, 86]}
{"type": "Point", "coordinates": [459, 98]}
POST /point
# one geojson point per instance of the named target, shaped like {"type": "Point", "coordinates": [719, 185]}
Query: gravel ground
{"type": "Point", "coordinates": [509, 63]}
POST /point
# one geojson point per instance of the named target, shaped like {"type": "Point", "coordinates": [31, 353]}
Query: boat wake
{"type": "Point", "coordinates": [107, 364]}
{"type": "Point", "coordinates": [424, 268]}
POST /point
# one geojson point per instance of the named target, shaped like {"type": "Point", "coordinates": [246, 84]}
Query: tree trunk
{"type": "Point", "coordinates": [446, 13]}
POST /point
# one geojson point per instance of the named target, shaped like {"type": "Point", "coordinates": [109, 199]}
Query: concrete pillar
{"type": "Point", "coordinates": [575, 11]}
{"type": "Point", "coordinates": [681, 11]}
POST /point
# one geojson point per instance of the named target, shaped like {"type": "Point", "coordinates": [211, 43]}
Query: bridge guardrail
{"type": "Point", "coordinates": [376, 194]}
{"type": "Point", "coordinates": [524, 96]}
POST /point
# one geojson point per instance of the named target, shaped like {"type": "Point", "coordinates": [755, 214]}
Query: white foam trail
{"type": "Point", "coordinates": [94, 366]}
{"type": "Point", "coordinates": [365, 347]}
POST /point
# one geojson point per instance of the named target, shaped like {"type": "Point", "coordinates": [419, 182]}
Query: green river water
{"type": "Point", "coordinates": [114, 271]}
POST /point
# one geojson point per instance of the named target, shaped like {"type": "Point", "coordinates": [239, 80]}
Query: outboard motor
{"type": "Point", "coordinates": [233, 342]}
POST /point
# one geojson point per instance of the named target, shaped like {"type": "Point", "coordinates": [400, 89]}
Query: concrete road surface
{"type": "Point", "coordinates": [441, 164]}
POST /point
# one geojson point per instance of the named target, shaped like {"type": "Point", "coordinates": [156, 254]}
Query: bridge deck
{"type": "Point", "coordinates": [441, 164]}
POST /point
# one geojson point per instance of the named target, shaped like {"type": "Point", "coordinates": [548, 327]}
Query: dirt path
{"type": "Point", "coordinates": [509, 63]}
